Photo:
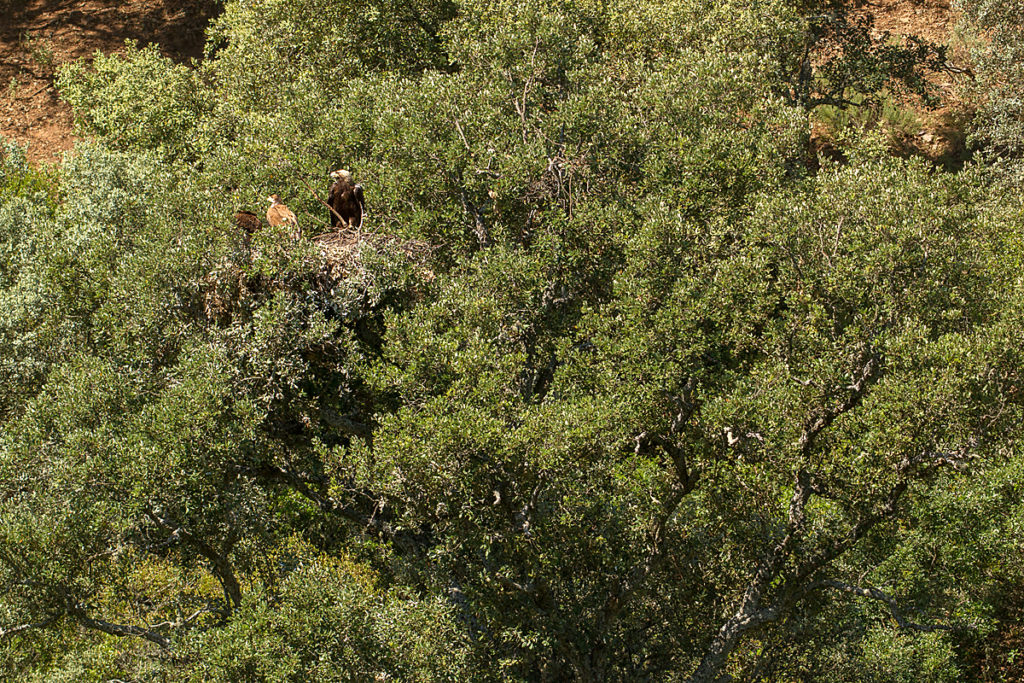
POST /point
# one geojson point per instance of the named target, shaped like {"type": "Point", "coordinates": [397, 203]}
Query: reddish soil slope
{"type": "Point", "coordinates": [929, 19]}
{"type": "Point", "coordinates": [37, 36]}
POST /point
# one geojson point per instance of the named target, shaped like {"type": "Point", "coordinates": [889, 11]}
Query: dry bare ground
{"type": "Point", "coordinates": [37, 36]}
{"type": "Point", "coordinates": [941, 137]}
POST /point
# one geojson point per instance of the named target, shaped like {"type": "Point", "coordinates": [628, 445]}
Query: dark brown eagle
{"type": "Point", "coordinates": [279, 214]}
{"type": "Point", "coordinates": [346, 201]}
{"type": "Point", "coordinates": [248, 221]}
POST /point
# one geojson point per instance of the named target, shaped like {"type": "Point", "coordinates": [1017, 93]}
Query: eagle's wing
{"type": "Point", "coordinates": [281, 215]}
{"type": "Point", "coordinates": [357, 193]}
{"type": "Point", "coordinates": [334, 195]}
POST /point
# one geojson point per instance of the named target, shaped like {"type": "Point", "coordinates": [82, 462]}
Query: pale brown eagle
{"type": "Point", "coordinates": [279, 214]}
{"type": "Point", "coordinates": [346, 201]}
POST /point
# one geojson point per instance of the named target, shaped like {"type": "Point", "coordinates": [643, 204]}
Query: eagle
{"type": "Point", "coordinates": [279, 214]}
{"type": "Point", "coordinates": [248, 221]}
{"type": "Point", "coordinates": [346, 201]}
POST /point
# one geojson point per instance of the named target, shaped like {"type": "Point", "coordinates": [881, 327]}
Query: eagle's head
{"type": "Point", "coordinates": [274, 199]}
{"type": "Point", "coordinates": [341, 173]}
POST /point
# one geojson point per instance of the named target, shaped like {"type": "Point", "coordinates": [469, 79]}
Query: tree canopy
{"type": "Point", "coordinates": [620, 382]}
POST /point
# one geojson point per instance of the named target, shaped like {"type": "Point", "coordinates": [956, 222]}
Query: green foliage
{"type": "Point", "coordinates": [827, 53]}
{"type": "Point", "coordinates": [993, 33]}
{"type": "Point", "coordinates": [890, 656]}
{"type": "Point", "coordinates": [328, 622]}
{"type": "Point", "coordinates": [613, 387]}
{"type": "Point", "coordinates": [850, 123]}
{"type": "Point", "coordinates": [140, 101]}
{"type": "Point", "coordinates": [18, 179]}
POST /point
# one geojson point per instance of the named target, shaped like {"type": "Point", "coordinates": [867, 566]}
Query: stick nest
{"type": "Point", "coordinates": [343, 250]}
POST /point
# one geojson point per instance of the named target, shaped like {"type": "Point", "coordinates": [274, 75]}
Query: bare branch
{"type": "Point", "coordinates": [631, 585]}
{"type": "Point", "coordinates": [222, 568]}
{"type": "Point", "coordinates": [119, 630]}
{"type": "Point", "coordinates": [482, 234]}
{"type": "Point", "coordinates": [315, 194]}
{"type": "Point", "coordinates": [14, 630]}
{"type": "Point", "coordinates": [462, 135]}
{"type": "Point", "coordinates": [876, 594]}
{"type": "Point", "coordinates": [953, 69]}
{"type": "Point", "coordinates": [187, 620]}
{"type": "Point", "coordinates": [857, 391]}
{"type": "Point", "coordinates": [957, 459]}
{"type": "Point", "coordinates": [750, 614]}
{"type": "Point", "coordinates": [365, 510]}
{"type": "Point", "coordinates": [845, 542]}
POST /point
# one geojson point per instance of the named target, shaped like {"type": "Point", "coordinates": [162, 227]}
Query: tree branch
{"type": "Point", "coordinates": [189, 619]}
{"type": "Point", "coordinates": [119, 630]}
{"type": "Point", "coordinates": [366, 511]}
{"type": "Point", "coordinates": [14, 630]}
{"type": "Point", "coordinates": [315, 194]}
{"type": "Point", "coordinates": [876, 594]}
{"type": "Point", "coordinates": [750, 614]}
{"type": "Point", "coordinates": [222, 568]}
{"type": "Point", "coordinates": [480, 228]}
{"type": "Point", "coordinates": [857, 392]}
